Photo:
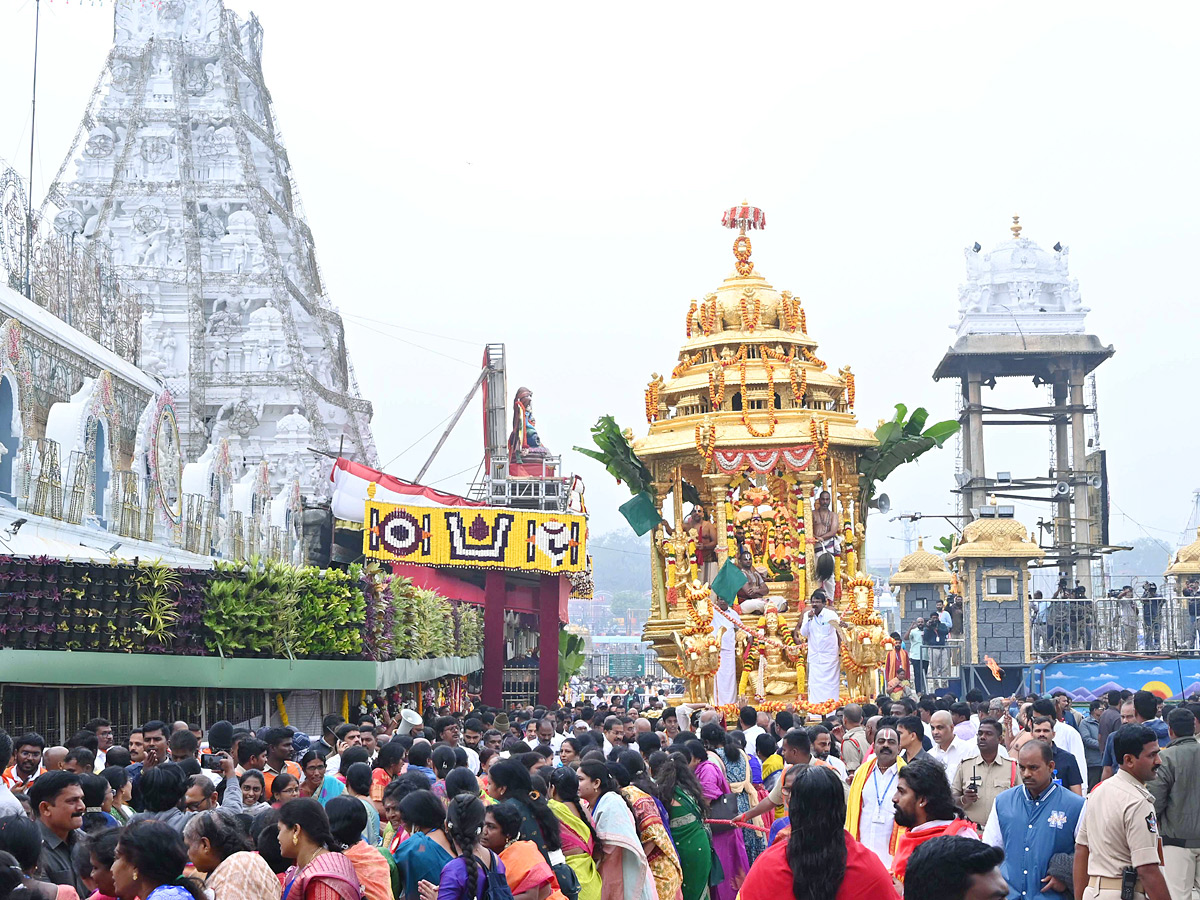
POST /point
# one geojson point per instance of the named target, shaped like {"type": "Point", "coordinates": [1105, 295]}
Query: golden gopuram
{"type": "Point", "coordinates": [759, 428]}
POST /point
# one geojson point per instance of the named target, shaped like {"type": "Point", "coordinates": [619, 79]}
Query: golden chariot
{"type": "Point", "coordinates": [759, 426]}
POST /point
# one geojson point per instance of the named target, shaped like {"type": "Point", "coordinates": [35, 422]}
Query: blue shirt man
{"type": "Point", "coordinates": [1033, 823]}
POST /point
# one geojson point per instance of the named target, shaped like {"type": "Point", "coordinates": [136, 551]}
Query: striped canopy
{"type": "Point", "coordinates": [744, 217]}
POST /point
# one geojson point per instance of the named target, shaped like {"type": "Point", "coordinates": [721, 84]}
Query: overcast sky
{"type": "Point", "coordinates": [552, 176]}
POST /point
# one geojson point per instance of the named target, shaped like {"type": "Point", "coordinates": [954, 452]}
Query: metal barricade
{"type": "Point", "coordinates": [1115, 624]}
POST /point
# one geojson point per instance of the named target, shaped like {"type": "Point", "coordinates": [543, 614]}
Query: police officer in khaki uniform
{"type": "Point", "coordinates": [1119, 854]}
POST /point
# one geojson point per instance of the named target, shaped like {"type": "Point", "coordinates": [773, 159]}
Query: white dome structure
{"type": "Point", "coordinates": [1019, 288]}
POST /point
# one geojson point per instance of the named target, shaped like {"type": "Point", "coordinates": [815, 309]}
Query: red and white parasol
{"type": "Point", "coordinates": [743, 217]}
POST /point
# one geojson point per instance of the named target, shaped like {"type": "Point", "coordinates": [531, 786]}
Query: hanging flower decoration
{"type": "Point", "coordinates": [808, 355]}
{"type": "Point", "coordinates": [691, 316]}
{"type": "Point", "coordinates": [849, 376]}
{"type": "Point", "coordinates": [771, 410]}
{"type": "Point", "coordinates": [669, 559]}
{"type": "Point", "coordinates": [790, 311]}
{"type": "Point", "coordinates": [716, 384]}
{"type": "Point", "coordinates": [686, 363]}
{"type": "Point", "coordinates": [706, 441]}
{"type": "Point", "coordinates": [730, 534]}
{"type": "Point", "coordinates": [653, 394]}
{"type": "Point", "coordinates": [708, 314]}
{"type": "Point", "coordinates": [750, 321]}
{"type": "Point", "coordinates": [820, 438]}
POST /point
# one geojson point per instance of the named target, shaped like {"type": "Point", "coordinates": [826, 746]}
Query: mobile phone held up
{"type": "Point", "coordinates": [210, 761]}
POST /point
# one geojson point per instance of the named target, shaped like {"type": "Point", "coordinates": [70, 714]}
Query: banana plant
{"type": "Point", "coordinates": [570, 656]}
{"type": "Point", "coordinates": [900, 441]}
{"type": "Point", "coordinates": [617, 456]}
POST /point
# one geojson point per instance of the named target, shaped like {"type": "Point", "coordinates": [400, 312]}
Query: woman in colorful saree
{"type": "Point", "coordinates": [624, 871]}
{"type": "Point", "coordinates": [682, 794]}
{"type": "Point", "coordinates": [578, 835]}
{"type": "Point", "coordinates": [427, 849]}
{"type": "Point", "coordinates": [656, 840]}
{"type": "Point", "coordinates": [729, 847]}
{"type": "Point", "coordinates": [529, 875]}
{"type": "Point", "coordinates": [322, 871]}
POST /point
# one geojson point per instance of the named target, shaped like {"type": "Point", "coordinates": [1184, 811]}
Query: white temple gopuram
{"type": "Point", "coordinates": [179, 175]}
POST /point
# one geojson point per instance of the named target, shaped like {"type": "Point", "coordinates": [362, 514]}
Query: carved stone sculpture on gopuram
{"type": "Point", "coordinates": [179, 175]}
{"type": "Point", "coordinates": [762, 431]}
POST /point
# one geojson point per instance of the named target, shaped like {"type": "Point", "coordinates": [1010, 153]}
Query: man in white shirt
{"type": "Point", "coordinates": [820, 626]}
{"type": "Point", "coordinates": [748, 722]}
{"type": "Point", "coordinates": [821, 742]}
{"type": "Point", "coordinates": [948, 748]}
{"type": "Point", "coordinates": [725, 622]}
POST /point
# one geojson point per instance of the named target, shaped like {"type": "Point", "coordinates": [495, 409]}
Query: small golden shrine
{"type": "Point", "coordinates": [760, 426]}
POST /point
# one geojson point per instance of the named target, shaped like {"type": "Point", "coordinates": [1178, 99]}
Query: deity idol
{"type": "Point", "coordinates": [867, 643]}
{"type": "Point", "coordinates": [698, 648]}
{"type": "Point", "coordinates": [524, 442]}
{"type": "Point", "coordinates": [773, 660]}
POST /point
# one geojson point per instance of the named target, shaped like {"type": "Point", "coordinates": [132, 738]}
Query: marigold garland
{"type": "Point", "coordinates": [686, 363]}
{"type": "Point", "coordinates": [668, 551]}
{"type": "Point", "coordinates": [706, 440]}
{"type": "Point", "coordinates": [770, 402]}
{"type": "Point", "coordinates": [708, 314]}
{"type": "Point", "coordinates": [790, 309]}
{"type": "Point", "coordinates": [691, 316]}
{"type": "Point", "coordinates": [653, 392]}
{"type": "Point", "coordinates": [810, 357]}
{"type": "Point", "coordinates": [803, 321]}
{"type": "Point", "coordinates": [716, 384]}
{"type": "Point", "coordinates": [749, 323]}
{"type": "Point", "coordinates": [849, 388]}
{"type": "Point", "coordinates": [820, 438]}
{"type": "Point", "coordinates": [730, 531]}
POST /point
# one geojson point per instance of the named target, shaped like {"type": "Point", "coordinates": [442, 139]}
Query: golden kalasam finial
{"type": "Point", "coordinates": [1015, 228]}
{"type": "Point", "coordinates": [743, 217]}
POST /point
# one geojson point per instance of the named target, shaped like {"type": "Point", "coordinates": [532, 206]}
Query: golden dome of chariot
{"type": "Point", "coordinates": [996, 537]}
{"type": "Point", "coordinates": [922, 567]}
{"type": "Point", "coordinates": [748, 376]}
{"type": "Point", "coordinates": [1187, 560]}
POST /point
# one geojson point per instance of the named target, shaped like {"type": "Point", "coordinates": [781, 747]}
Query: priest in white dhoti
{"type": "Point", "coordinates": [820, 627]}
{"type": "Point", "coordinates": [726, 631]}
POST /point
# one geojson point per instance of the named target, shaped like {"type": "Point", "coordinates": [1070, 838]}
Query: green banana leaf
{"type": "Point", "coordinates": [900, 441]}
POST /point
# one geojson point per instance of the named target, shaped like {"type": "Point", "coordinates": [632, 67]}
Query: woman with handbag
{"type": "Point", "coordinates": [728, 844]}
{"type": "Point", "coordinates": [624, 870]}
{"type": "Point", "coordinates": [737, 773]}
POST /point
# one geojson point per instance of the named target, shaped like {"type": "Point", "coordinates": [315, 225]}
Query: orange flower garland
{"type": "Point", "coordinates": [706, 441]}
{"type": "Point", "coordinates": [686, 363]}
{"type": "Point", "coordinates": [750, 323]}
{"type": "Point", "coordinates": [770, 403]}
{"type": "Point", "coordinates": [669, 562]}
{"type": "Point", "coordinates": [849, 388]}
{"type": "Point", "coordinates": [799, 385]}
{"type": "Point", "coordinates": [691, 317]}
{"type": "Point", "coordinates": [730, 539]}
{"type": "Point", "coordinates": [820, 438]}
{"type": "Point", "coordinates": [790, 308]}
{"type": "Point", "coordinates": [716, 384]}
{"type": "Point", "coordinates": [803, 321]}
{"type": "Point", "coordinates": [708, 314]}
{"type": "Point", "coordinates": [808, 355]}
{"type": "Point", "coordinates": [652, 396]}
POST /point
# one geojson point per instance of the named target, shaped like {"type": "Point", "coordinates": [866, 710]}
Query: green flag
{"type": "Point", "coordinates": [640, 513]}
{"type": "Point", "coordinates": [728, 581]}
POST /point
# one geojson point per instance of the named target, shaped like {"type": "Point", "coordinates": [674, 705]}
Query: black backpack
{"type": "Point", "coordinates": [495, 885]}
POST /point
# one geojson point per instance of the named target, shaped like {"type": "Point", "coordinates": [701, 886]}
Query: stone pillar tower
{"type": "Point", "coordinates": [993, 558]}
{"type": "Point", "coordinates": [178, 170]}
{"type": "Point", "coordinates": [920, 582]}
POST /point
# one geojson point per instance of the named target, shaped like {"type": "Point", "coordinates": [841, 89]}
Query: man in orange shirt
{"type": "Point", "coordinates": [279, 757]}
{"type": "Point", "coordinates": [27, 762]}
{"type": "Point", "coordinates": [925, 809]}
